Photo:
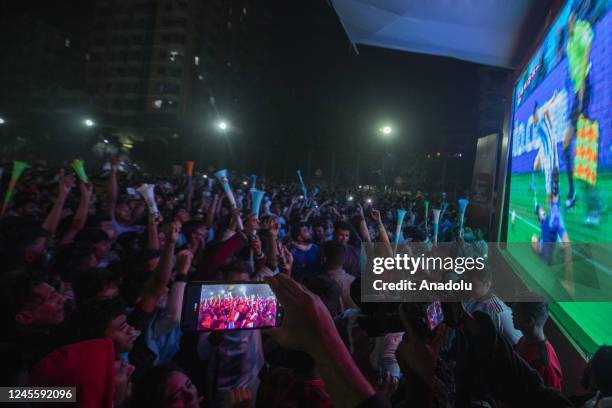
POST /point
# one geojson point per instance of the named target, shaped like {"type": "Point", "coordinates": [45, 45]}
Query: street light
{"type": "Point", "coordinates": [222, 125]}
{"type": "Point", "coordinates": [2, 121]}
{"type": "Point", "coordinates": [385, 131]}
{"type": "Point", "coordinates": [89, 122]}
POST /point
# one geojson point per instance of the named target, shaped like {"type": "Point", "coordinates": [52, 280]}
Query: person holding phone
{"type": "Point", "coordinates": [233, 358]}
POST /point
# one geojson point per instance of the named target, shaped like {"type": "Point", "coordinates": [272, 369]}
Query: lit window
{"type": "Point", "coordinates": [157, 104]}
{"type": "Point", "coordinates": [173, 55]}
{"type": "Point", "coordinates": [200, 77]}
{"type": "Point", "coordinates": [244, 11]}
{"type": "Point", "coordinates": [196, 60]}
{"type": "Point", "coordinates": [67, 42]}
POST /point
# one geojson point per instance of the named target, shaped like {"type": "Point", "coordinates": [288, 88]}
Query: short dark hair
{"type": "Point", "coordinates": [90, 282]}
{"type": "Point", "coordinates": [149, 387]}
{"type": "Point", "coordinates": [92, 317]}
{"type": "Point", "coordinates": [235, 266]}
{"type": "Point", "coordinates": [16, 292]}
{"type": "Point", "coordinates": [536, 310]}
{"type": "Point", "coordinates": [334, 254]}
{"type": "Point", "coordinates": [70, 260]}
{"type": "Point", "coordinates": [96, 220]}
{"type": "Point", "coordinates": [133, 284]}
{"type": "Point", "coordinates": [601, 369]}
{"type": "Point", "coordinates": [328, 290]}
{"type": "Point", "coordinates": [341, 225]}
{"type": "Point", "coordinates": [192, 226]}
{"type": "Point", "coordinates": [296, 228]}
{"type": "Point", "coordinates": [92, 235]}
{"type": "Point", "coordinates": [16, 235]}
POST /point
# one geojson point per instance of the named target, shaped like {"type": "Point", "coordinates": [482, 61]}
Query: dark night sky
{"type": "Point", "coordinates": [316, 87]}
{"type": "Point", "coordinates": [338, 94]}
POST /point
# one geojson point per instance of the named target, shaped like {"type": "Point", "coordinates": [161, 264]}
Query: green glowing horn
{"type": "Point", "coordinates": [18, 168]}
{"type": "Point", "coordinates": [79, 169]}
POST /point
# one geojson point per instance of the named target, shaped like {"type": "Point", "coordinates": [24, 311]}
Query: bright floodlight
{"type": "Point", "coordinates": [2, 121]}
{"type": "Point", "coordinates": [106, 141]}
{"type": "Point", "coordinates": [369, 201]}
{"type": "Point", "coordinates": [222, 125]}
{"type": "Point", "coordinates": [350, 198]}
{"type": "Point", "coordinates": [88, 122]}
{"type": "Point", "coordinates": [386, 130]}
{"type": "Point", "coordinates": [244, 183]}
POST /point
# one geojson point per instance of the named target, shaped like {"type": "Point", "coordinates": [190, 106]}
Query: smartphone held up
{"type": "Point", "coordinates": [230, 306]}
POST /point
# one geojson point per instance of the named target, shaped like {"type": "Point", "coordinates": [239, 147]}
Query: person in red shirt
{"type": "Point", "coordinates": [529, 318]}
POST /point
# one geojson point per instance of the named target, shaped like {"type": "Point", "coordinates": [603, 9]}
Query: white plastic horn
{"type": "Point", "coordinates": [398, 228]}
{"type": "Point", "coordinates": [221, 177]}
{"type": "Point", "coordinates": [256, 197]}
{"type": "Point", "coordinates": [147, 191]}
{"type": "Point", "coordinates": [436, 220]}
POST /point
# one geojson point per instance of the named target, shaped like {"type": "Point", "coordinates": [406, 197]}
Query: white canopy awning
{"type": "Point", "coordinates": [481, 31]}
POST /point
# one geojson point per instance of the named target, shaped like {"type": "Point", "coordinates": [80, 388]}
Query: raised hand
{"type": "Point", "coordinates": [376, 216]}
{"type": "Point", "coordinates": [173, 231]}
{"type": "Point", "coordinates": [307, 321]}
{"type": "Point", "coordinates": [256, 245]}
{"type": "Point", "coordinates": [183, 261]}
{"type": "Point", "coordinates": [288, 257]}
{"type": "Point", "coordinates": [239, 398]}
{"type": "Point", "coordinates": [86, 189]}
{"type": "Point", "coordinates": [66, 182]}
{"type": "Point", "coordinates": [360, 211]}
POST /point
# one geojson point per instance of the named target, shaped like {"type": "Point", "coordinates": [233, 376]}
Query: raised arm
{"type": "Point", "coordinates": [382, 232]}
{"type": "Point", "coordinates": [66, 182]}
{"type": "Point", "coordinates": [308, 326]}
{"type": "Point", "coordinates": [287, 214]}
{"type": "Point", "coordinates": [363, 226]}
{"type": "Point", "coordinates": [161, 276]}
{"type": "Point", "coordinates": [210, 213]}
{"type": "Point", "coordinates": [309, 214]}
{"type": "Point", "coordinates": [153, 232]}
{"type": "Point", "coordinates": [189, 197]}
{"type": "Point", "coordinates": [233, 225]}
{"type": "Point", "coordinates": [174, 306]}
{"type": "Point", "coordinates": [78, 222]}
{"type": "Point", "coordinates": [113, 189]}
{"type": "Point", "coordinates": [272, 249]}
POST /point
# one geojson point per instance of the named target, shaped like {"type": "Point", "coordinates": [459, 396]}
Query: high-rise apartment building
{"type": "Point", "coordinates": [141, 62]}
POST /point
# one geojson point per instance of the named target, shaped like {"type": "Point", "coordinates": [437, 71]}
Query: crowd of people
{"type": "Point", "coordinates": [93, 280]}
{"type": "Point", "coordinates": [245, 312]}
